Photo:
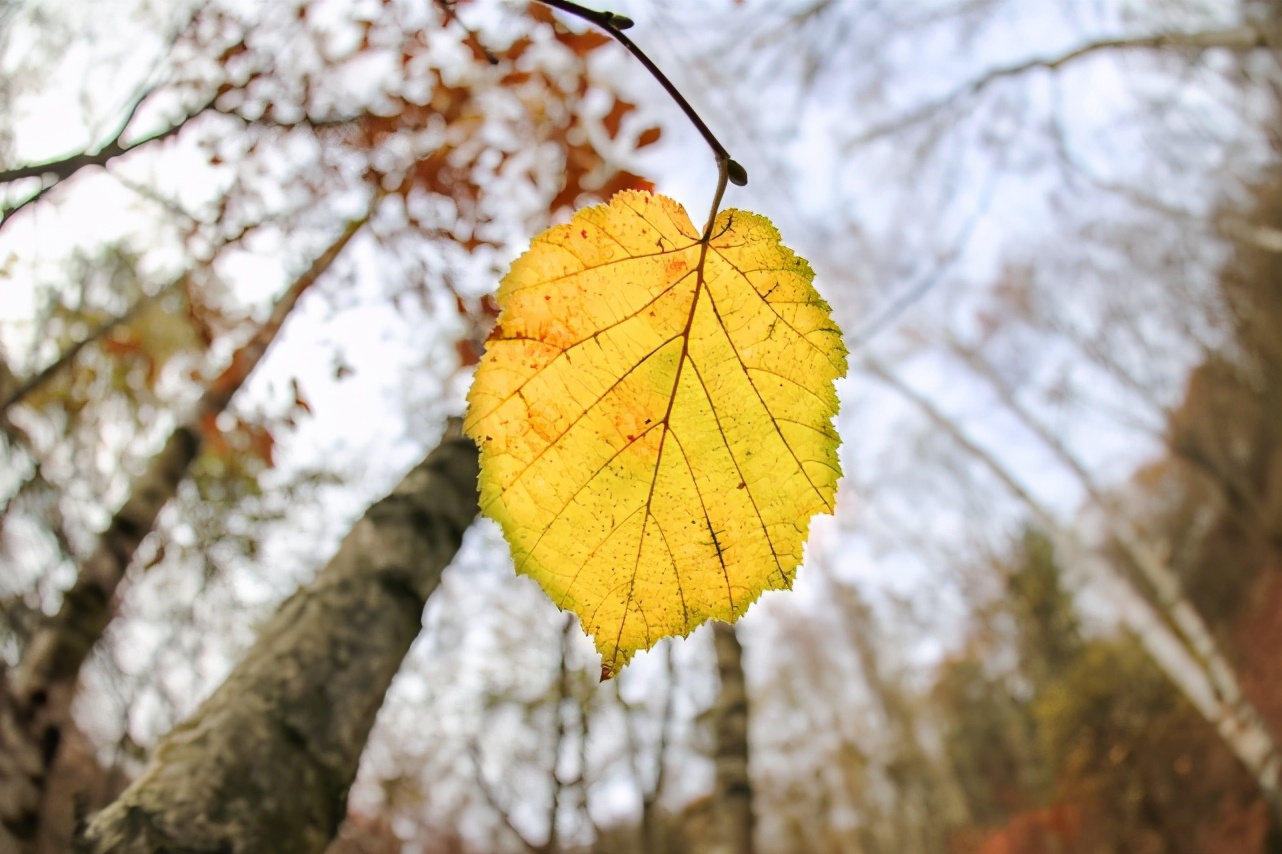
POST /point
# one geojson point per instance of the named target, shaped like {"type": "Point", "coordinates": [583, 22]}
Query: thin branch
{"type": "Point", "coordinates": [881, 372]}
{"type": "Point", "coordinates": [1226, 225]}
{"type": "Point", "coordinates": [7, 212]}
{"type": "Point", "coordinates": [1232, 489]}
{"type": "Point", "coordinates": [63, 168]}
{"type": "Point", "coordinates": [450, 15]}
{"type": "Point", "coordinates": [1235, 38]}
{"type": "Point", "coordinates": [248, 355]}
{"type": "Point", "coordinates": [492, 798]}
{"type": "Point", "coordinates": [132, 111]}
{"type": "Point", "coordinates": [727, 169]}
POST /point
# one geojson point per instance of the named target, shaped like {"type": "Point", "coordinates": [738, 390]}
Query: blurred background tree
{"type": "Point", "coordinates": [1047, 614]}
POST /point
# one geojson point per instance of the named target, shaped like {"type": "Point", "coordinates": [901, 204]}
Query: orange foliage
{"type": "Point", "coordinates": [1051, 829]}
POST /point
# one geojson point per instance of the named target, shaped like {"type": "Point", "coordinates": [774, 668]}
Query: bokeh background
{"type": "Point", "coordinates": [1046, 615]}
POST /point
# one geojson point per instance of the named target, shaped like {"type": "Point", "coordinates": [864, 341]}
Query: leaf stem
{"type": "Point", "coordinates": [728, 170]}
{"type": "Point", "coordinates": [723, 173]}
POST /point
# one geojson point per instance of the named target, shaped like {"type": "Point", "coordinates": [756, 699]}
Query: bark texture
{"type": "Point", "coordinates": [733, 796]}
{"type": "Point", "coordinates": [35, 701]}
{"type": "Point", "coordinates": [265, 763]}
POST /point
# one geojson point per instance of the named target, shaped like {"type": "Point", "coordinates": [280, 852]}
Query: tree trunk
{"type": "Point", "coordinates": [733, 795]}
{"type": "Point", "coordinates": [265, 763]}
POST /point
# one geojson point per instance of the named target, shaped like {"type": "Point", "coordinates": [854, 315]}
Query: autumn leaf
{"type": "Point", "coordinates": [655, 422]}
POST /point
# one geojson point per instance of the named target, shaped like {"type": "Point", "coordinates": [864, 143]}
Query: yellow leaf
{"type": "Point", "coordinates": [655, 423]}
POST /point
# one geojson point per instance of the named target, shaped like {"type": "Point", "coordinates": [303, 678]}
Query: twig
{"type": "Point", "coordinates": [492, 798]}
{"type": "Point", "coordinates": [449, 14]}
{"type": "Point", "coordinates": [728, 170]}
{"type": "Point", "coordinates": [7, 212]}
{"type": "Point", "coordinates": [63, 168]}
{"type": "Point", "coordinates": [1236, 38]}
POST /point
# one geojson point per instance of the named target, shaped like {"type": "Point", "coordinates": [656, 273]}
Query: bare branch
{"type": "Point", "coordinates": [131, 112]}
{"type": "Point", "coordinates": [54, 172]}
{"type": "Point", "coordinates": [6, 213]}
{"type": "Point", "coordinates": [942, 421]}
{"type": "Point", "coordinates": [1239, 39]}
{"type": "Point", "coordinates": [1230, 487]}
{"type": "Point", "coordinates": [492, 798]}
{"type": "Point", "coordinates": [63, 168]}
{"type": "Point", "coordinates": [728, 170]}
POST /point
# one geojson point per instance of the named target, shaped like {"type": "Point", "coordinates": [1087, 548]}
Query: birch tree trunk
{"type": "Point", "coordinates": [265, 763]}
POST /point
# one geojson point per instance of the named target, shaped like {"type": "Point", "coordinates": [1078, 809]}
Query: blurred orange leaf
{"type": "Point", "coordinates": [613, 120]}
{"type": "Point", "coordinates": [649, 136]}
